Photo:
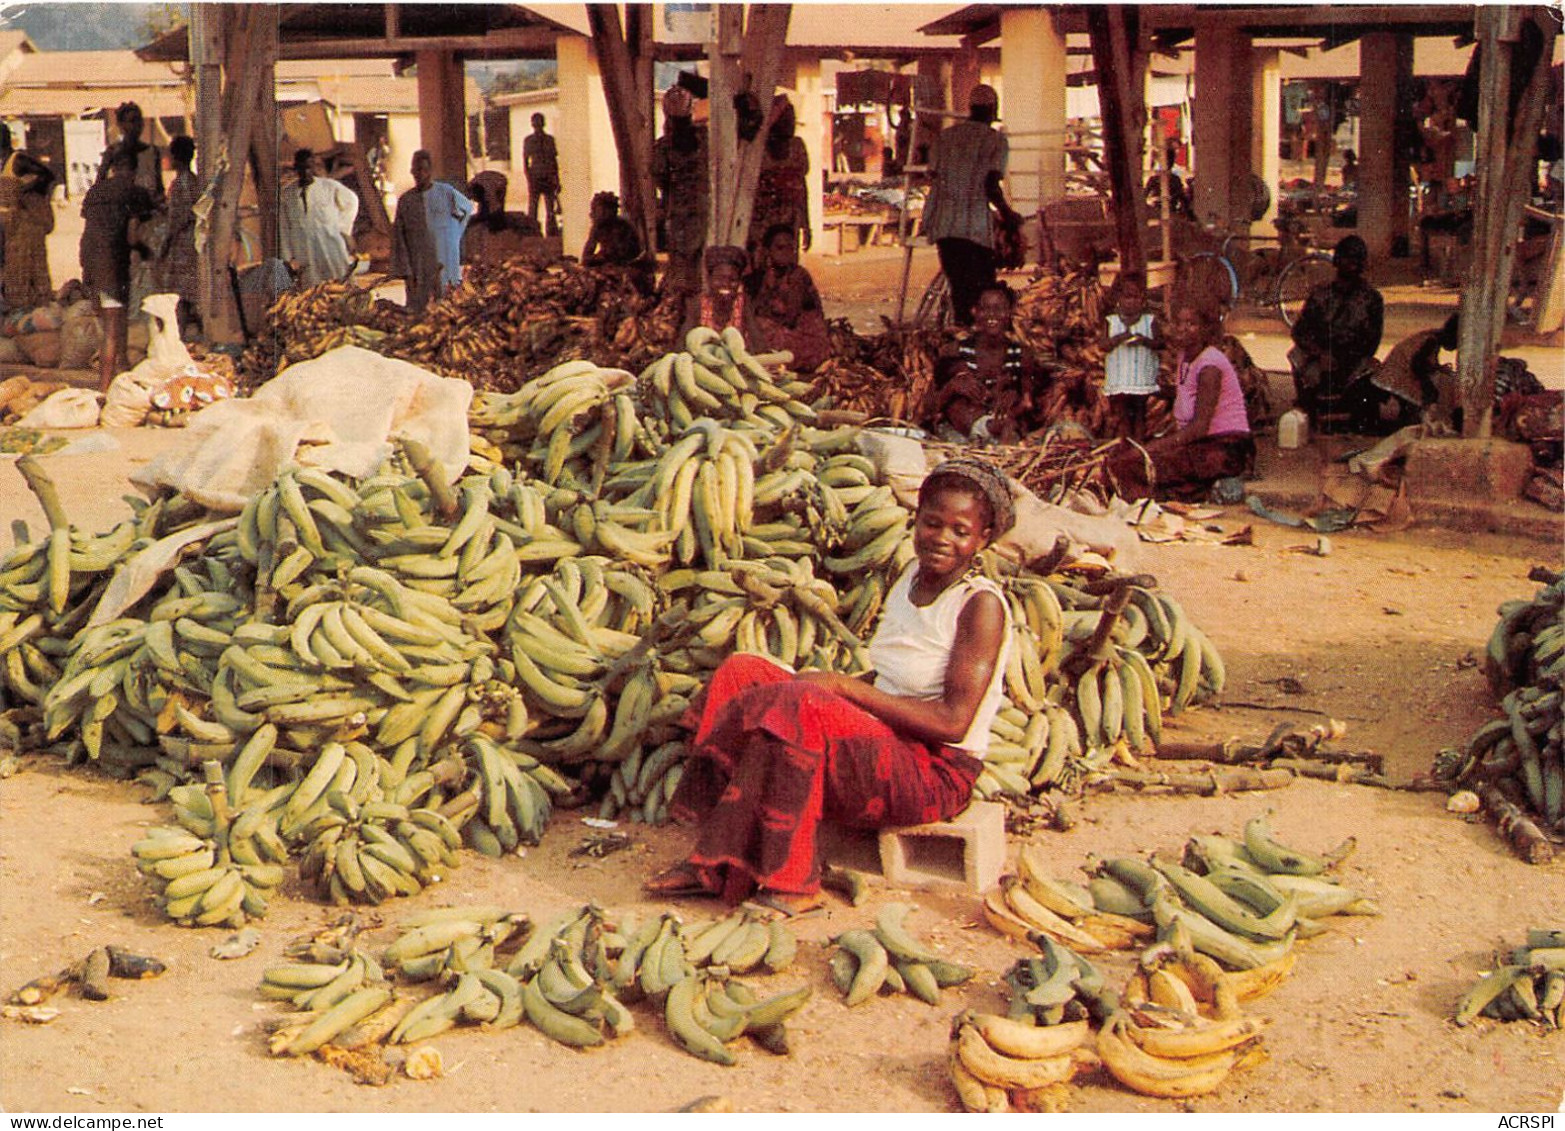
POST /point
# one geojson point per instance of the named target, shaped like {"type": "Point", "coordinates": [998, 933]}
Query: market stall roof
{"type": "Point", "coordinates": [391, 30]}
{"type": "Point", "coordinates": [1328, 24]}
{"type": "Point", "coordinates": [63, 103]}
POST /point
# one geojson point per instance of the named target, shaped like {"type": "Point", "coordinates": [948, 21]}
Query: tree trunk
{"type": "Point", "coordinates": [1506, 151]}
{"type": "Point", "coordinates": [625, 59]}
{"type": "Point", "coordinates": [244, 65]}
{"type": "Point", "coordinates": [747, 51]}
{"type": "Point", "coordinates": [1113, 30]}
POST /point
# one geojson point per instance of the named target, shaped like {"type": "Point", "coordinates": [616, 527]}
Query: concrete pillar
{"type": "Point", "coordinates": [578, 82]}
{"type": "Point", "coordinates": [442, 114]}
{"type": "Point", "coordinates": [1032, 67]}
{"type": "Point", "coordinates": [809, 98]}
{"type": "Point", "coordinates": [1265, 130]}
{"type": "Point", "coordinates": [1221, 125]}
{"type": "Point", "coordinates": [1384, 61]}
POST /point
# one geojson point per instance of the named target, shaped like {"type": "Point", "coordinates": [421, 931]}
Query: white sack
{"type": "Point", "coordinates": [340, 411]}
{"type": "Point", "coordinates": [130, 393]}
{"type": "Point", "coordinates": [67, 408]}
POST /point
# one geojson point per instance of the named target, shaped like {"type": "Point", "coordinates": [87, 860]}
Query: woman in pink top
{"type": "Point", "coordinates": [1212, 439]}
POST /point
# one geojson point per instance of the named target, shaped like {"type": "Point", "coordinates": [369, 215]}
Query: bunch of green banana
{"type": "Point", "coordinates": [644, 783]}
{"type": "Point", "coordinates": [1027, 752]}
{"type": "Point", "coordinates": [715, 375]}
{"type": "Point", "coordinates": [480, 996]}
{"type": "Point", "coordinates": [704, 1013]}
{"type": "Point", "coordinates": [514, 803]}
{"type": "Point", "coordinates": [1057, 987]}
{"type": "Point", "coordinates": [1520, 755]}
{"type": "Point", "coordinates": [1530, 985]}
{"type": "Point", "coordinates": [198, 883]}
{"type": "Point", "coordinates": [995, 1061]}
{"type": "Point", "coordinates": [348, 1003]}
{"type": "Point", "coordinates": [375, 850]}
{"type": "Point", "coordinates": [740, 942]}
{"type": "Point", "coordinates": [887, 959]}
{"type": "Point", "coordinates": [452, 940]}
{"type": "Point", "coordinates": [1119, 702]}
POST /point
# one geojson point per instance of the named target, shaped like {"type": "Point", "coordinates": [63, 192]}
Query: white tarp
{"type": "Point", "coordinates": [340, 411]}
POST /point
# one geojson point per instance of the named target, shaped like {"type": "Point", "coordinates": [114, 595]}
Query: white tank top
{"type": "Point", "coordinates": [911, 649]}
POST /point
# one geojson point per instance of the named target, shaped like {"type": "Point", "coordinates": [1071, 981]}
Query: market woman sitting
{"type": "Point", "coordinates": [776, 752]}
{"type": "Point", "coordinates": [984, 382]}
{"type": "Point", "coordinates": [721, 302]}
{"type": "Point", "coordinates": [1212, 438]}
{"type": "Point", "coordinates": [784, 303]}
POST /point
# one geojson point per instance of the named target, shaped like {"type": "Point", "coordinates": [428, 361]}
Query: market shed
{"type": "Point", "coordinates": [234, 50]}
{"type": "Point", "coordinates": [1243, 53]}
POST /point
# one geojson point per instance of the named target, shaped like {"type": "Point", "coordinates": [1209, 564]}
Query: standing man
{"type": "Point", "coordinates": [426, 237]}
{"type": "Point", "coordinates": [679, 172]}
{"type": "Point", "coordinates": [316, 229]}
{"type": "Point", "coordinates": [148, 174]}
{"type": "Point", "coordinates": [110, 210]}
{"type": "Point", "coordinates": [541, 164]}
{"type": "Point", "coordinates": [967, 163]}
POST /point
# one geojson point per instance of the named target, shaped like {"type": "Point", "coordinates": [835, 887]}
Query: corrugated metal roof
{"type": "Point", "coordinates": [40, 102]}
{"type": "Point", "coordinates": [91, 69]}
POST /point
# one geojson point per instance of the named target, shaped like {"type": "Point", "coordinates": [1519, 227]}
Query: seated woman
{"type": "Point", "coordinates": [613, 244]}
{"type": "Point", "coordinates": [1212, 439]}
{"type": "Point", "coordinates": [784, 302]}
{"type": "Point", "coordinates": [776, 752]}
{"type": "Point", "coordinates": [721, 302]}
{"type": "Point", "coordinates": [985, 382]}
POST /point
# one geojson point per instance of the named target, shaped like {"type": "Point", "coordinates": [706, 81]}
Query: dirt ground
{"type": "Point", "coordinates": [1381, 634]}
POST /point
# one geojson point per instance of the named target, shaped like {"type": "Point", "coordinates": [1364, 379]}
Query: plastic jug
{"type": "Point", "coordinates": [1293, 429]}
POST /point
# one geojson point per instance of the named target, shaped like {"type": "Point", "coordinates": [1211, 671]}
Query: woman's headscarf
{"type": "Point", "coordinates": [725, 253]}
{"type": "Point", "coordinates": [985, 479]}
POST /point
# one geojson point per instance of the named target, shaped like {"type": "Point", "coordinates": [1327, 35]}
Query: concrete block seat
{"type": "Point", "coordinates": [966, 853]}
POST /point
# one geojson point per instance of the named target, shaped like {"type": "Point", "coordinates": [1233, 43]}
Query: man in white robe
{"type": "Point", "coordinates": [316, 222]}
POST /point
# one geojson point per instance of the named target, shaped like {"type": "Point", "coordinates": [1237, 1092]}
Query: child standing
{"type": "Point", "coordinates": [1131, 342]}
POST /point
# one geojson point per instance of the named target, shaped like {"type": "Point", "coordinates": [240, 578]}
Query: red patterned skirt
{"type": "Point", "coordinates": [772, 756]}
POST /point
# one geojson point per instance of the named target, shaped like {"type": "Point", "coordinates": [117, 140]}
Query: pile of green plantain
{"type": "Point", "coordinates": [360, 679]}
{"type": "Point", "coordinates": [1528, 984]}
{"type": "Point", "coordinates": [572, 978]}
{"type": "Point", "coordinates": [1516, 762]}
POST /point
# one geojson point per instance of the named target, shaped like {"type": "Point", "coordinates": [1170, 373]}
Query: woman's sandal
{"type": "Point", "coordinates": [788, 903]}
{"type": "Point", "coordinates": [681, 880]}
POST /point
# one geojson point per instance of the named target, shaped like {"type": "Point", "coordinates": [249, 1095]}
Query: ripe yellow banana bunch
{"type": "Point", "coordinates": [198, 883]}
{"type": "Point", "coordinates": [887, 959]}
{"type": "Point", "coordinates": [1000, 1064]}
{"type": "Point", "coordinates": [1175, 1062]}
{"type": "Point", "coordinates": [1015, 909]}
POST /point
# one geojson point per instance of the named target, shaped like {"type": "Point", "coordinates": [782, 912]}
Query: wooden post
{"type": "Point", "coordinates": [245, 68]}
{"type": "Point", "coordinates": [625, 62]}
{"type": "Point", "coordinates": [263, 139]}
{"type": "Point", "coordinates": [722, 141]}
{"type": "Point", "coordinates": [766, 34]}
{"type": "Point", "coordinates": [1113, 30]}
{"type": "Point", "coordinates": [746, 49]}
{"type": "Point", "coordinates": [206, 64]}
{"type": "Point", "coordinates": [1504, 165]}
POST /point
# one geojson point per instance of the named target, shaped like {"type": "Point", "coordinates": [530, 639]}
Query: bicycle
{"type": "Point", "coordinates": [1278, 272]}
{"type": "Point", "coordinates": [934, 306]}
